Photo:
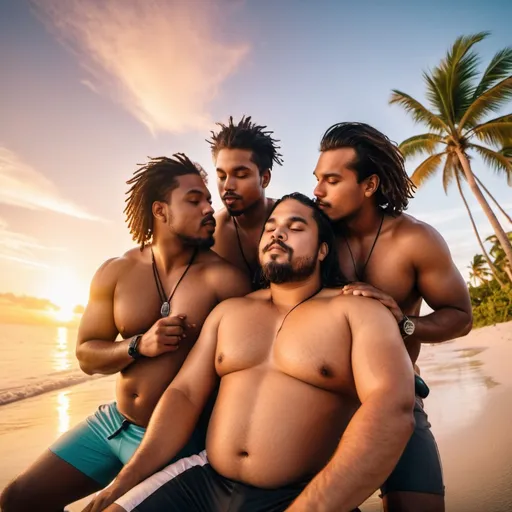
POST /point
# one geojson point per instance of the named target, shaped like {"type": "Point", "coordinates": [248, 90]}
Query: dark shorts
{"type": "Point", "coordinates": [192, 485]}
{"type": "Point", "coordinates": [419, 468]}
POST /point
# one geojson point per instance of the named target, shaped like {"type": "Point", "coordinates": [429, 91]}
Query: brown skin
{"type": "Point", "coordinates": [124, 300]}
{"type": "Point", "coordinates": [311, 389]}
{"type": "Point", "coordinates": [241, 187]}
{"type": "Point", "coordinates": [410, 262]}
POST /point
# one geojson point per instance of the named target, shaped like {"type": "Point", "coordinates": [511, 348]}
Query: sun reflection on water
{"type": "Point", "coordinates": [63, 411]}
{"type": "Point", "coordinates": [61, 359]}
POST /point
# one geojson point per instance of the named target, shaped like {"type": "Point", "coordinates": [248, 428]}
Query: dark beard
{"type": "Point", "coordinates": [198, 243]}
{"type": "Point", "coordinates": [279, 273]}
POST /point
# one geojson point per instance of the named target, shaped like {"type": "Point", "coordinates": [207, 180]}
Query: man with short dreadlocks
{"type": "Point", "coordinates": [243, 154]}
{"type": "Point", "coordinates": [156, 296]}
{"type": "Point", "coordinates": [400, 261]}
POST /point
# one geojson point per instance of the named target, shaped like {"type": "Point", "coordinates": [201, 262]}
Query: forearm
{"type": "Point", "coordinates": [442, 325]}
{"type": "Point", "coordinates": [104, 357]}
{"type": "Point", "coordinates": [366, 455]}
{"type": "Point", "coordinates": [170, 427]}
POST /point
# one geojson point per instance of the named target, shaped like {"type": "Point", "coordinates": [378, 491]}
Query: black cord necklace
{"type": "Point", "coordinates": [241, 248]}
{"type": "Point", "coordinates": [296, 306]}
{"type": "Point", "coordinates": [361, 277]}
{"type": "Point", "coordinates": [165, 309]}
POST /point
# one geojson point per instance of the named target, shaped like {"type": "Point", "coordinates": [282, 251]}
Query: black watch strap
{"type": "Point", "coordinates": [133, 347]}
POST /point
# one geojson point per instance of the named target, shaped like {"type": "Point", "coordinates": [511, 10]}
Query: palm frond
{"type": "Point", "coordinates": [419, 144]}
{"type": "Point", "coordinates": [498, 69]}
{"type": "Point", "coordinates": [451, 166]}
{"type": "Point", "coordinates": [427, 169]}
{"type": "Point", "coordinates": [419, 112]}
{"type": "Point", "coordinates": [495, 133]}
{"type": "Point", "coordinates": [489, 101]}
{"type": "Point", "coordinates": [457, 73]}
{"type": "Point", "coordinates": [499, 162]}
{"type": "Point", "coordinates": [438, 97]}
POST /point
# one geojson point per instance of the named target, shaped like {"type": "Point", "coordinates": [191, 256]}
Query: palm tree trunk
{"type": "Point", "coordinates": [475, 229]}
{"type": "Point", "coordinates": [503, 212]}
{"type": "Point", "coordinates": [496, 226]}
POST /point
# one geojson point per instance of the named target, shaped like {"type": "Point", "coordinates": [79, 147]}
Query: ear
{"type": "Point", "coordinates": [323, 251]}
{"type": "Point", "coordinates": [371, 185]}
{"type": "Point", "coordinates": [160, 211]}
{"type": "Point", "coordinates": [265, 178]}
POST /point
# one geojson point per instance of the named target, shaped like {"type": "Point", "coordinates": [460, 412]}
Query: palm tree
{"type": "Point", "coordinates": [498, 253]}
{"type": "Point", "coordinates": [478, 271]}
{"type": "Point", "coordinates": [459, 105]}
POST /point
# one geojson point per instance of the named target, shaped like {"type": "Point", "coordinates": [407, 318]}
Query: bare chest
{"type": "Point", "coordinates": [309, 347]}
{"type": "Point", "coordinates": [137, 302]}
{"type": "Point", "coordinates": [387, 269]}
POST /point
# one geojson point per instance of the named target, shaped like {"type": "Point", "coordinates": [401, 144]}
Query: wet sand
{"type": "Point", "coordinates": [469, 407]}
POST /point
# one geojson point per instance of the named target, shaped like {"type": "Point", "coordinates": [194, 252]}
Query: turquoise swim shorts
{"type": "Point", "coordinates": [100, 445]}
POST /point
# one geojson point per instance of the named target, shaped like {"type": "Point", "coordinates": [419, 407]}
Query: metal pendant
{"type": "Point", "coordinates": [165, 310]}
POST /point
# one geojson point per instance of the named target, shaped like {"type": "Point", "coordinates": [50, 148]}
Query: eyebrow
{"type": "Point", "coordinates": [291, 220]}
{"type": "Point", "coordinates": [329, 174]}
{"type": "Point", "coordinates": [198, 191]}
{"type": "Point", "coordinates": [237, 168]}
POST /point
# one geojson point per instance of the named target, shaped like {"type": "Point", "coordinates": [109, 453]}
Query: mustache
{"type": "Point", "coordinates": [231, 195]}
{"type": "Point", "coordinates": [323, 203]}
{"type": "Point", "coordinates": [209, 218]}
{"type": "Point", "coordinates": [281, 244]}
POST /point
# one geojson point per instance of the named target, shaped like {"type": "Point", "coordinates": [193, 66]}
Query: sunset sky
{"type": "Point", "coordinates": [91, 88]}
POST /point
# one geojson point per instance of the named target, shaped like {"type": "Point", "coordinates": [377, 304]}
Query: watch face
{"type": "Point", "coordinates": [408, 327]}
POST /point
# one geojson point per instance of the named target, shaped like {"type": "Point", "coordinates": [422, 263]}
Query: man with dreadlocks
{"type": "Point", "coordinates": [156, 296]}
{"type": "Point", "coordinates": [244, 155]}
{"type": "Point", "coordinates": [398, 260]}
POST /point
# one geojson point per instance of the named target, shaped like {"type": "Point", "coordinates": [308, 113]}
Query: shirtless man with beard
{"type": "Point", "coordinates": [315, 400]}
{"type": "Point", "coordinates": [157, 297]}
{"type": "Point", "coordinates": [400, 261]}
{"type": "Point", "coordinates": [243, 155]}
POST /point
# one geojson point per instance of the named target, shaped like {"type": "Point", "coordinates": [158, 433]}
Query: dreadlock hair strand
{"type": "Point", "coordinates": [376, 154]}
{"type": "Point", "coordinates": [153, 182]}
{"type": "Point", "coordinates": [250, 136]}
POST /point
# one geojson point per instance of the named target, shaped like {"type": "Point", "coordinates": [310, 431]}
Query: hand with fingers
{"type": "Point", "coordinates": [105, 498]}
{"type": "Point", "coordinates": [367, 290]}
{"type": "Point", "coordinates": [164, 336]}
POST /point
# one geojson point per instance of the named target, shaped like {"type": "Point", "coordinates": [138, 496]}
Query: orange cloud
{"type": "Point", "coordinates": [162, 60]}
{"type": "Point", "coordinates": [23, 186]}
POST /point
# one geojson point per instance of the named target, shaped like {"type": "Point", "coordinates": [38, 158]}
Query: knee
{"type": "Point", "coordinates": [10, 497]}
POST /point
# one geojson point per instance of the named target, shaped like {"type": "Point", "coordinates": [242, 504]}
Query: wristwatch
{"type": "Point", "coordinates": [407, 327]}
{"type": "Point", "coordinates": [133, 347]}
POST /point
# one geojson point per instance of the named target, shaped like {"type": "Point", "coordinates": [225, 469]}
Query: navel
{"type": "Point", "coordinates": [220, 358]}
{"type": "Point", "coordinates": [325, 371]}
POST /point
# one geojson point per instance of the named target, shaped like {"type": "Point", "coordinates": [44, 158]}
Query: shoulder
{"type": "Point", "coordinates": [220, 274]}
{"type": "Point", "coordinates": [222, 218]}
{"type": "Point", "coordinates": [418, 238]}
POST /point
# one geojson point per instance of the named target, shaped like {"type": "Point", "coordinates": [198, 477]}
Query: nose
{"type": "Point", "coordinates": [229, 184]}
{"type": "Point", "coordinates": [319, 190]}
{"type": "Point", "coordinates": [208, 209]}
{"type": "Point", "coordinates": [279, 234]}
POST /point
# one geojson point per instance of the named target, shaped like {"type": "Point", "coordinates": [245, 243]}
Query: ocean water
{"type": "Point", "coordinates": [36, 359]}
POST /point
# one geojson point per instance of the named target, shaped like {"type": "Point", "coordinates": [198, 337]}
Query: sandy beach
{"type": "Point", "coordinates": [469, 408]}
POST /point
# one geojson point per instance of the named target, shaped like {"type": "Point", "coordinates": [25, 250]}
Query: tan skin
{"type": "Point", "coordinates": [241, 187]}
{"type": "Point", "coordinates": [124, 300]}
{"type": "Point", "coordinates": [410, 263]}
{"type": "Point", "coordinates": [289, 397]}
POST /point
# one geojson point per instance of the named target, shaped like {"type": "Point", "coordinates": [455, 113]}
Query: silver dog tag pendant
{"type": "Point", "coordinates": [165, 310]}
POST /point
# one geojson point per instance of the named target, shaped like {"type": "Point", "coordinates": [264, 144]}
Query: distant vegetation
{"type": "Point", "coordinates": [491, 294]}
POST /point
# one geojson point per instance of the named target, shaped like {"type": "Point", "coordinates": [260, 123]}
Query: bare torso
{"type": "Point", "coordinates": [278, 394]}
{"type": "Point", "coordinates": [137, 307]}
{"type": "Point", "coordinates": [389, 268]}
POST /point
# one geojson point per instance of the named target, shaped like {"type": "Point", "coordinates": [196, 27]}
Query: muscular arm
{"type": "Point", "coordinates": [443, 289]}
{"type": "Point", "coordinates": [379, 431]}
{"type": "Point", "coordinates": [96, 349]}
{"type": "Point", "coordinates": [177, 411]}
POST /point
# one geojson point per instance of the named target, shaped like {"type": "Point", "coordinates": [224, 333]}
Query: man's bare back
{"type": "Point", "coordinates": [129, 284]}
